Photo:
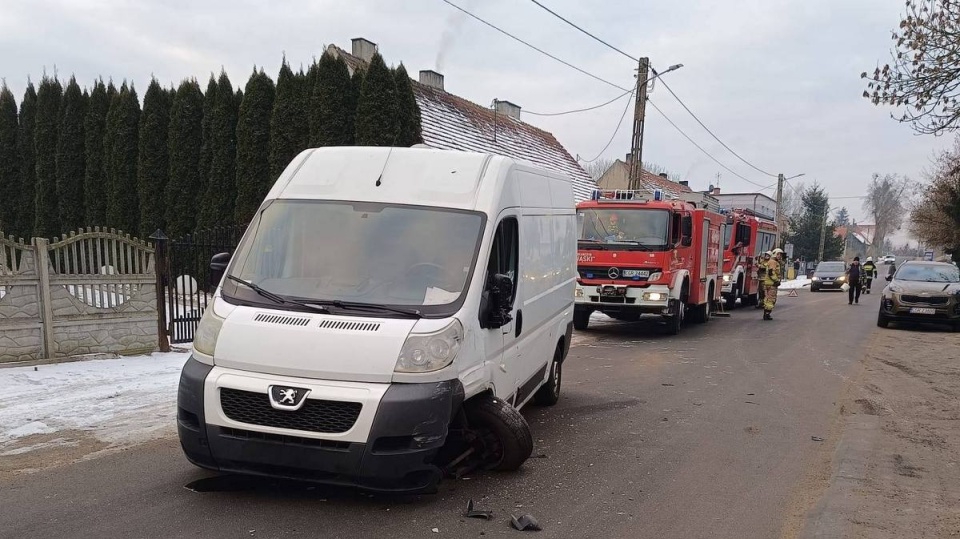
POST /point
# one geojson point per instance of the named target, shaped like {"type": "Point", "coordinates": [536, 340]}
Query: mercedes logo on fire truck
{"type": "Point", "coordinates": [613, 273]}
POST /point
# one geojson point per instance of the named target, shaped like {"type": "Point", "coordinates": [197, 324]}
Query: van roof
{"type": "Point", "coordinates": [416, 176]}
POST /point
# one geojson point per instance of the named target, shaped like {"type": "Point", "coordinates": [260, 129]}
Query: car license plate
{"type": "Point", "coordinates": [921, 310]}
{"type": "Point", "coordinates": [636, 273]}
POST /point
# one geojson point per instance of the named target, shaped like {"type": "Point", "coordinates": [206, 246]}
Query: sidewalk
{"type": "Point", "coordinates": [896, 469]}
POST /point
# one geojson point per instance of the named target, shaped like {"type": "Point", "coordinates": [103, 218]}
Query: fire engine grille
{"type": "Point", "coordinates": [935, 300]}
{"type": "Point", "coordinates": [603, 273]}
{"type": "Point", "coordinates": [329, 417]}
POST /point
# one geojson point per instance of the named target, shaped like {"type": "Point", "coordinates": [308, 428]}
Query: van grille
{"type": "Point", "coordinates": [343, 325]}
{"type": "Point", "coordinates": [314, 416]}
{"type": "Point", "coordinates": [281, 320]}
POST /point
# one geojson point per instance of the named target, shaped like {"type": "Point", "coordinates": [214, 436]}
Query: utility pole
{"type": "Point", "coordinates": [780, 181]}
{"type": "Point", "coordinates": [823, 232]}
{"type": "Point", "coordinates": [639, 113]}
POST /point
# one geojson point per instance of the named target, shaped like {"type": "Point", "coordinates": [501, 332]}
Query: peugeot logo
{"type": "Point", "coordinates": [613, 273]}
{"type": "Point", "coordinates": [287, 398]}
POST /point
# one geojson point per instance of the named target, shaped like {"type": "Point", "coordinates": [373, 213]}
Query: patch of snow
{"type": "Point", "coordinates": [795, 284]}
{"type": "Point", "coordinates": [118, 400]}
{"type": "Point", "coordinates": [33, 427]}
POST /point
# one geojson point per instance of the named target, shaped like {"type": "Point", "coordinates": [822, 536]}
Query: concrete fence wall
{"type": "Point", "coordinates": [92, 292]}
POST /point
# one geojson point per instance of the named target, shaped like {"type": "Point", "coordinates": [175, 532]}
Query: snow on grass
{"type": "Point", "coordinates": [118, 400]}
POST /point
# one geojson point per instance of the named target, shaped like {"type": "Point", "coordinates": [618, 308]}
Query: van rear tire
{"type": "Point", "coordinates": [549, 392]}
{"type": "Point", "coordinates": [502, 431]}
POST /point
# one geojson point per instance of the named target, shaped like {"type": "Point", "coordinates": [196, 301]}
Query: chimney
{"type": "Point", "coordinates": [716, 191]}
{"type": "Point", "coordinates": [507, 109]}
{"type": "Point", "coordinates": [431, 79]}
{"type": "Point", "coordinates": [363, 49]}
{"type": "Point", "coordinates": [684, 183]}
{"type": "Point", "coordinates": [664, 175]}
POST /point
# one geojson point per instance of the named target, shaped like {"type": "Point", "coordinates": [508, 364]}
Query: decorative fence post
{"type": "Point", "coordinates": [163, 270]}
{"type": "Point", "coordinates": [42, 256]}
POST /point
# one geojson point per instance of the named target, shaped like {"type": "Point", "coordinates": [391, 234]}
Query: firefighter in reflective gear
{"type": "Point", "coordinates": [771, 281]}
{"type": "Point", "coordinates": [761, 275]}
{"type": "Point", "coordinates": [869, 274]}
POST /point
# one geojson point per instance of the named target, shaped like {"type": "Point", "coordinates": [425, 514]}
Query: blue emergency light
{"type": "Point", "coordinates": [658, 194]}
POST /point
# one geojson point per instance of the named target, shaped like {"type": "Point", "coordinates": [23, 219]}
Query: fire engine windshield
{"type": "Point", "coordinates": [624, 229]}
{"type": "Point", "coordinates": [375, 254]}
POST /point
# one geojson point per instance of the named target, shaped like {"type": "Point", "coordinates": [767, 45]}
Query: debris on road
{"type": "Point", "coordinates": [476, 513]}
{"type": "Point", "coordinates": [435, 530]}
{"type": "Point", "coordinates": [526, 523]}
{"type": "Point", "coordinates": [816, 438]}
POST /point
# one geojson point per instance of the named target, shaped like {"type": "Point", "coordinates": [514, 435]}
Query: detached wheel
{"type": "Point", "coordinates": [502, 435]}
{"type": "Point", "coordinates": [883, 321]}
{"type": "Point", "coordinates": [549, 393]}
{"type": "Point", "coordinates": [581, 320]}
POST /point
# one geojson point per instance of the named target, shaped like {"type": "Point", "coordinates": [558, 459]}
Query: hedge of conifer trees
{"type": "Point", "coordinates": [184, 158]}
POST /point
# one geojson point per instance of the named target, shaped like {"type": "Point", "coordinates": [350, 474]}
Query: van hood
{"type": "Point", "coordinates": [309, 345]}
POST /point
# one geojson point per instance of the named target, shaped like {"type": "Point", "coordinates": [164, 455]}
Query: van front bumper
{"type": "Point", "coordinates": [409, 428]}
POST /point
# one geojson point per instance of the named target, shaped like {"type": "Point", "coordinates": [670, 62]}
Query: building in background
{"type": "Point", "coordinates": [618, 177]}
{"type": "Point", "coordinates": [757, 202]}
{"type": "Point", "coordinates": [450, 122]}
{"type": "Point", "coordinates": [857, 241]}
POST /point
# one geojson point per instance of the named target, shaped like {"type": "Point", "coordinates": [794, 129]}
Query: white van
{"type": "Point", "coordinates": [387, 312]}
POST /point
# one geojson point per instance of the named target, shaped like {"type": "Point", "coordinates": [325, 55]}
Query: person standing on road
{"type": "Point", "coordinates": [761, 275]}
{"type": "Point", "coordinates": [796, 268]}
{"type": "Point", "coordinates": [854, 280]}
{"type": "Point", "coordinates": [771, 281]}
{"type": "Point", "coordinates": [869, 274]}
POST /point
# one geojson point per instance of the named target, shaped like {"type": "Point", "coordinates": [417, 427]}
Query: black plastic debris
{"type": "Point", "coordinates": [526, 523]}
{"type": "Point", "coordinates": [476, 513]}
{"type": "Point", "coordinates": [816, 438]}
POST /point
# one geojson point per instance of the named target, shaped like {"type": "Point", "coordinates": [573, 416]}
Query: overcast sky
{"type": "Point", "coordinates": [777, 80]}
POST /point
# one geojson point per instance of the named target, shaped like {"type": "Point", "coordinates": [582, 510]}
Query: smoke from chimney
{"type": "Point", "coordinates": [449, 35]}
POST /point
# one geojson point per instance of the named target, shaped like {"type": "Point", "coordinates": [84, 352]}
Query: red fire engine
{"type": "Point", "coordinates": [642, 254]}
{"type": "Point", "coordinates": [747, 236]}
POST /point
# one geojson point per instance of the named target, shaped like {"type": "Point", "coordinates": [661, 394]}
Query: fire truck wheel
{"type": "Point", "coordinates": [581, 320]}
{"type": "Point", "coordinates": [674, 323]}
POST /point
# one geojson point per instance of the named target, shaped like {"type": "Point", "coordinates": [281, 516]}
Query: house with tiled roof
{"type": "Point", "coordinates": [618, 177]}
{"type": "Point", "coordinates": [451, 122]}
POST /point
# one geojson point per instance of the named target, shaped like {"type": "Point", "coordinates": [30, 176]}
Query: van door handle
{"type": "Point", "coordinates": [518, 324]}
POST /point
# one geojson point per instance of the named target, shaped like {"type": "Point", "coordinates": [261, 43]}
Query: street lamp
{"type": "Point", "coordinates": [657, 75]}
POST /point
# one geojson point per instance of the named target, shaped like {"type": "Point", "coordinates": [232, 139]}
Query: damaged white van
{"type": "Point", "coordinates": [384, 317]}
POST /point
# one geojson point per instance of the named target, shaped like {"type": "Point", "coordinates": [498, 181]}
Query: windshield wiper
{"type": "Point", "coordinates": [350, 305]}
{"type": "Point", "coordinates": [276, 298]}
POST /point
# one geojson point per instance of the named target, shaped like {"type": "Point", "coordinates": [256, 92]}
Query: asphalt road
{"type": "Point", "coordinates": [705, 435]}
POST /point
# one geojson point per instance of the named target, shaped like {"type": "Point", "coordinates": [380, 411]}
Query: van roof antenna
{"type": "Point", "coordinates": [380, 177]}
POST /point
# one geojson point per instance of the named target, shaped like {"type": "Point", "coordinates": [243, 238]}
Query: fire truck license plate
{"type": "Point", "coordinates": [636, 273]}
{"type": "Point", "coordinates": [920, 310]}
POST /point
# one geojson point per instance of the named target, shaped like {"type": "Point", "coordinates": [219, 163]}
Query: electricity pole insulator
{"type": "Point", "coordinates": [639, 113]}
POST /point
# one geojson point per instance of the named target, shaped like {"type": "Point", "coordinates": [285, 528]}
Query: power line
{"type": "Point", "coordinates": [635, 59]}
{"type": "Point", "coordinates": [615, 131]}
{"type": "Point", "coordinates": [578, 110]}
{"type": "Point", "coordinates": [562, 18]}
{"type": "Point", "coordinates": [707, 129]}
{"type": "Point", "coordinates": [705, 152]}
{"type": "Point", "coordinates": [541, 51]}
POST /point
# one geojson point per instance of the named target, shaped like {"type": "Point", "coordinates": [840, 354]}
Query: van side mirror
{"type": "Point", "coordinates": [218, 265]}
{"type": "Point", "coordinates": [500, 301]}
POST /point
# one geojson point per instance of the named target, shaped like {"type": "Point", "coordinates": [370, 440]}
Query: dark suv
{"type": "Point", "coordinates": [922, 292]}
{"type": "Point", "coordinates": [829, 275]}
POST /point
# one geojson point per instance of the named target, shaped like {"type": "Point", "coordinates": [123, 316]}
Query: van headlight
{"type": "Point", "coordinates": [205, 338]}
{"type": "Point", "coordinates": [428, 352]}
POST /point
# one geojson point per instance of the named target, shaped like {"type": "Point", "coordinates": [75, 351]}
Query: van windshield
{"type": "Point", "coordinates": [623, 229]}
{"type": "Point", "coordinates": [375, 254]}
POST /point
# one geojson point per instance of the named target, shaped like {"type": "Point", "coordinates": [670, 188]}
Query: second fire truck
{"type": "Point", "coordinates": [643, 254]}
{"type": "Point", "coordinates": [747, 236]}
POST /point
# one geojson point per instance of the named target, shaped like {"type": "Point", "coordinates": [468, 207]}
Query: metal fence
{"type": "Point", "coordinates": [184, 266]}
